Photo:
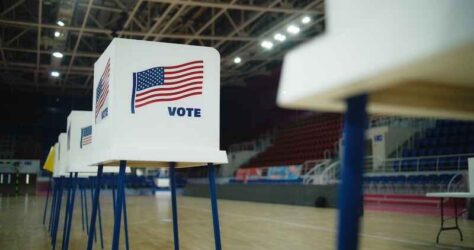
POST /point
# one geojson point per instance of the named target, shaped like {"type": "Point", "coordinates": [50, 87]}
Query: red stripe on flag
{"type": "Point", "coordinates": [165, 89]}
{"type": "Point", "coordinates": [168, 99]}
{"type": "Point", "coordinates": [168, 94]}
{"type": "Point", "coordinates": [182, 65]}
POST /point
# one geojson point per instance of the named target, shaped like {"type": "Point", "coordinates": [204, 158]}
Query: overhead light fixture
{"type": "Point", "coordinates": [58, 54]}
{"type": "Point", "coordinates": [60, 23]}
{"type": "Point", "coordinates": [57, 34]}
{"type": "Point", "coordinates": [279, 37]}
{"type": "Point", "coordinates": [293, 29]}
{"type": "Point", "coordinates": [237, 60]}
{"type": "Point", "coordinates": [55, 74]}
{"type": "Point", "coordinates": [267, 44]}
{"type": "Point", "coordinates": [305, 19]}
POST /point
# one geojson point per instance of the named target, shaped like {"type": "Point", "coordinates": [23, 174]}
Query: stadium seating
{"type": "Point", "coordinates": [310, 138]}
{"type": "Point", "coordinates": [444, 147]}
{"type": "Point", "coordinates": [416, 183]}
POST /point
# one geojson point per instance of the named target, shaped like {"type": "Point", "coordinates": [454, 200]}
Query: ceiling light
{"type": "Point", "coordinates": [55, 74]}
{"type": "Point", "coordinates": [293, 29]}
{"type": "Point", "coordinates": [57, 34]}
{"type": "Point", "coordinates": [60, 23]}
{"type": "Point", "coordinates": [58, 54]}
{"type": "Point", "coordinates": [305, 19]}
{"type": "Point", "coordinates": [267, 44]}
{"type": "Point", "coordinates": [237, 60]}
{"type": "Point", "coordinates": [279, 37]}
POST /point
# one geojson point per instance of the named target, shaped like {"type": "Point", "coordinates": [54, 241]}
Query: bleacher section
{"type": "Point", "coordinates": [444, 147]}
{"type": "Point", "coordinates": [310, 138]}
{"type": "Point", "coordinates": [414, 183]}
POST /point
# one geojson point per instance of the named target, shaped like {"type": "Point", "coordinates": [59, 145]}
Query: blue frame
{"type": "Point", "coordinates": [350, 190]}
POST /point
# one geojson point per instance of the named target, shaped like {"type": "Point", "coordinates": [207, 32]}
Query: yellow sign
{"type": "Point", "coordinates": [49, 164]}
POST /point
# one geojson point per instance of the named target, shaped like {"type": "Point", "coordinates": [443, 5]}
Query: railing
{"type": "Point", "coordinates": [321, 173]}
{"type": "Point", "coordinates": [381, 121]}
{"type": "Point", "coordinates": [311, 166]}
{"type": "Point", "coordinates": [424, 163]}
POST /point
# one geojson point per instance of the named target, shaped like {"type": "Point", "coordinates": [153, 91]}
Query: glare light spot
{"type": "Point", "coordinates": [58, 54]}
{"type": "Point", "coordinates": [305, 19]}
{"type": "Point", "coordinates": [279, 37]}
{"type": "Point", "coordinates": [55, 74]}
{"type": "Point", "coordinates": [293, 29]}
{"type": "Point", "coordinates": [237, 60]}
{"type": "Point", "coordinates": [267, 44]}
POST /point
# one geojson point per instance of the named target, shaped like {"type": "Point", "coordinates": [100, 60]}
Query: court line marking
{"type": "Point", "coordinates": [320, 228]}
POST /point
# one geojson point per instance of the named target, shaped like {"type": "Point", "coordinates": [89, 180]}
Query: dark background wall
{"type": "Point", "coordinates": [37, 117]}
{"type": "Point", "coordinates": [302, 195]}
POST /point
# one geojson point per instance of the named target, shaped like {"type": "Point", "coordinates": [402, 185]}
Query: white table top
{"type": "Point", "coordinates": [412, 58]}
{"type": "Point", "coordinates": [451, 195]}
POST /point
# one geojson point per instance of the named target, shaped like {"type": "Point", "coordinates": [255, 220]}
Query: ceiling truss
{"type": "Point", "coordinates": [234, 27]}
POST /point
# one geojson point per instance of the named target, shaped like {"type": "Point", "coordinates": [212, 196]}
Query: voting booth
{"type": "Point", "coordinates": [61, 156]}
{"type": "Point", "coordinates": [156, 103]}
{"type": "Point", "coordinates": [80, 139]}
{"type": "Point", "coordinates": [50, 160]}
{"type": "Point", "coordinates": [412, 58]}
{"type": "Point", "coordinates": [407, 57]}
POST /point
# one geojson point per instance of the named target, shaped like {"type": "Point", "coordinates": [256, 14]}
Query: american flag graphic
{"type": "Point", "coordinates": [102, 92]}
{"type": "Point", "coordinates": [86, 136]}
{"type": "Point", "coordinates": [168, 83]}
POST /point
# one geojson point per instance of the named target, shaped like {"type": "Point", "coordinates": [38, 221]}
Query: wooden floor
{"type": "Point", "coordinates": [245, 225]}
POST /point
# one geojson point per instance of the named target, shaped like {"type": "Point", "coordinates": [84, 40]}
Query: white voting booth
{"type": "Point", "coordinates": [405, 57]}
{"type": "Point", "coordinates": [156, 103]}
{"type": "Point", "coordinates": [56, 169]}
{"type": "Point", "coordinates": [61, 156]}
{"type": "Point", "coordinates": [410, 57]}
{"type": "Point", "coordinates": [80, 139]}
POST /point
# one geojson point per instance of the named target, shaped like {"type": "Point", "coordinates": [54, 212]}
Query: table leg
{"type": "Point", "coordinates": [68, 208]}
{"type": "Point", "coordinates": [442, 219]}
{"type": "Point", "coordinates": [71, 211]}
{"type": "Point", "coordinates": [47, 200]}
{"type": "Point", "coordinates": [215, 211]}
{"type": "Point", "coordinates": [53, 204]}
{"type": "Point", "coordinates": [94, 207]}
{"type": "Point", "coordinates": [174, 206]}
{"type": "Point", "coordinates": [350, 189]}
{"type": "Point", "coordinates": [456, 218]}
{"type": "Point", "coordinates": [119, 206]}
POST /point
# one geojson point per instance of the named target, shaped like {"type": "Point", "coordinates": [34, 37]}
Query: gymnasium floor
{"type": "Point", "coordinates": [245, 225]}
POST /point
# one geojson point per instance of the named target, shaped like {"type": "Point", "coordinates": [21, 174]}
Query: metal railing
{"type": "Point", "coordinates": [423, 163]}
{"type": "Point", "coordinates": [381, 121]}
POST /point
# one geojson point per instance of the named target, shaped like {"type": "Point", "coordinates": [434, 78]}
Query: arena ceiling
{"type": "Point", "coordinates": [30, 34]}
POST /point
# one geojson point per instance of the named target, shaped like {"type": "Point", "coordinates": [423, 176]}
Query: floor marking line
{"type": "Point", "coordinates": [320, 228]}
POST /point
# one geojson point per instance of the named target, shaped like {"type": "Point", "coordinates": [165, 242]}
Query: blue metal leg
{"type": "Point", "coordinates": [71, 211]}
{"type": "Point", "coordinates": [82, 205]}
{"type": "Point", "coordinates": [215, 211]}
{"type": "Point", "coordinates": [47, 200]}
{"type": "Point", "coordinates": [174, 205]}
{"type": "Point", "coordinates": [93, 187]}
{"type": "Point", "coordinates": [86, 207]}
{"type": "Point", "coordinates": [68, 209]}
{"type": "Point", "coordinates": [53, 204]}
{"type": "Point", "coordinates": [125, 221]}
{"type": "Point", "coordinates": [119, 205]}
{"type": "Point", "coordinates": [94, 207]}
{"type": "Point", "coordinates": [91, 181]}
{"type": "Point", "coordinates": [113, 192]}
{"type": "Point", "coordinates": [350, 190]}
{"type": "Point", "coordinates": [57, 214]}
{"type": "Point", "coordinates": [100, 223]}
